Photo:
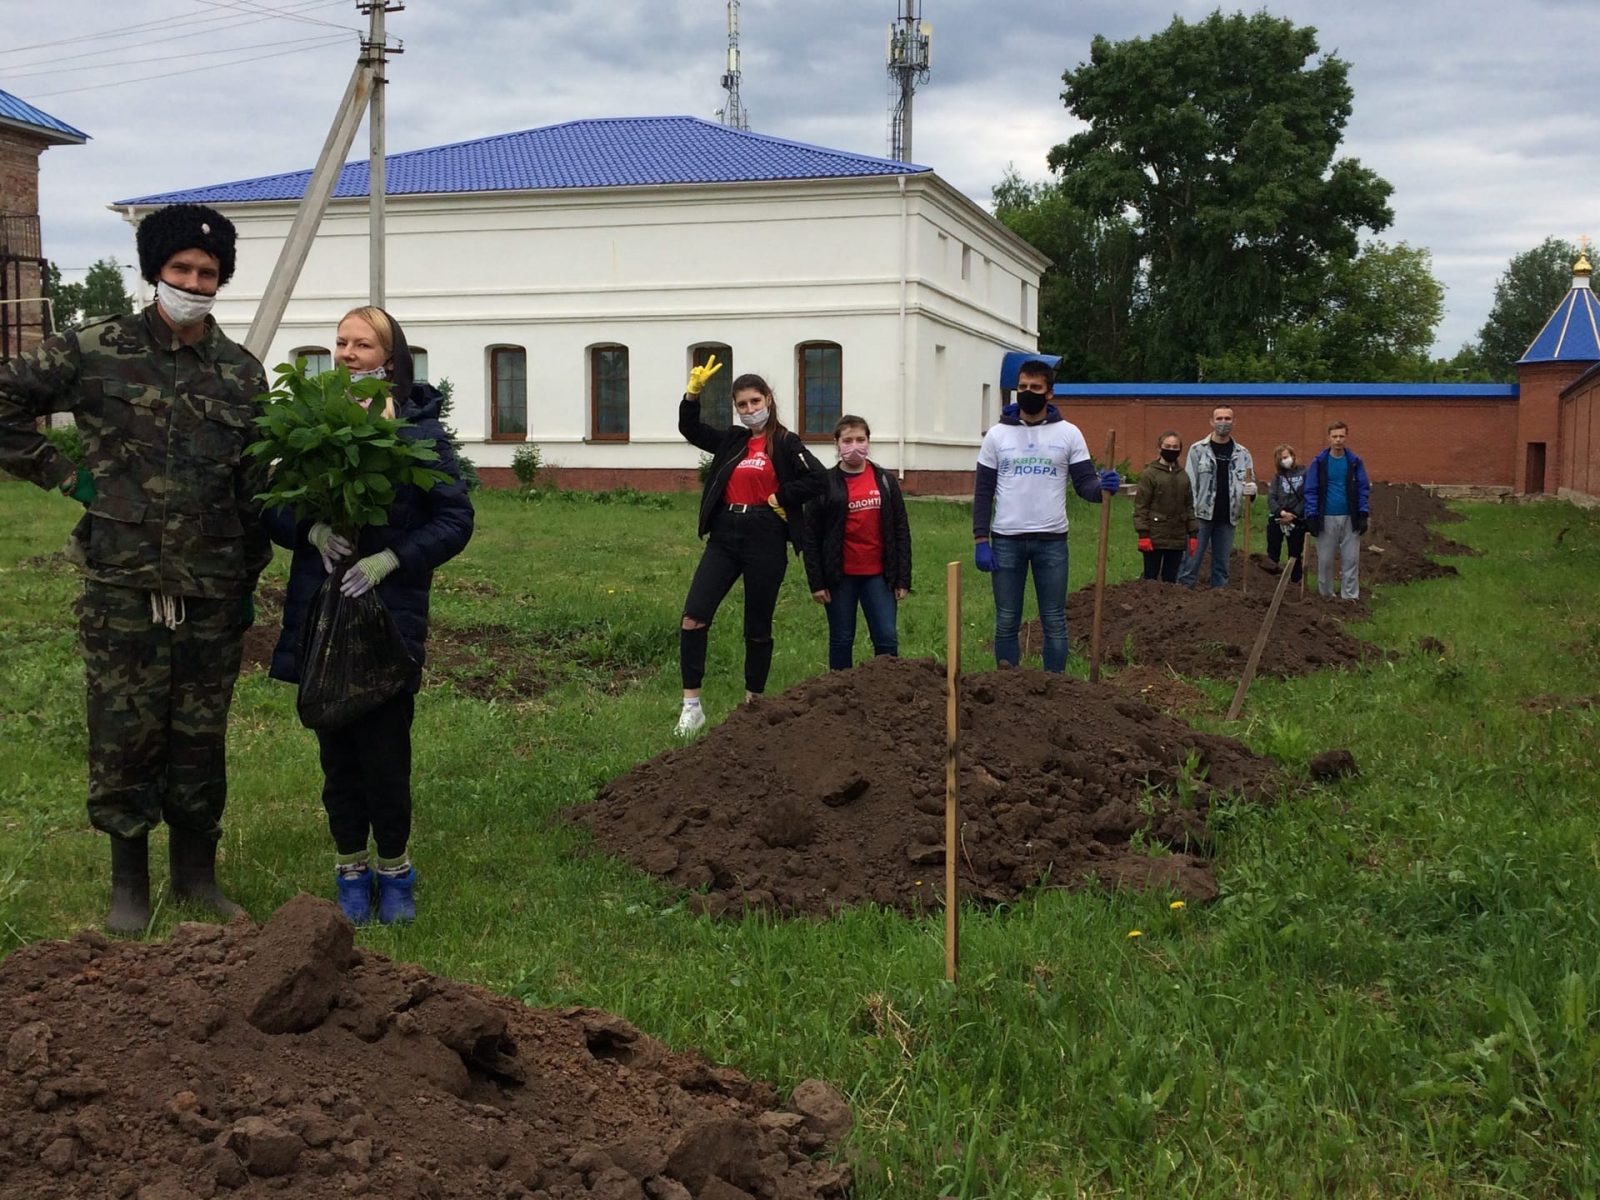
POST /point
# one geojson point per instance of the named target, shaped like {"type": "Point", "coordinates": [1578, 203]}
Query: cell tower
{"type": "Point", "coordinates": [910, 39]}
{"type": "Point", "coordinates": [733, 114]}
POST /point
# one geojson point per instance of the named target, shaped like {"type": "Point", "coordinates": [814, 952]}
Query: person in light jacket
{"type": "Point", "coordinates": [1223, 477]}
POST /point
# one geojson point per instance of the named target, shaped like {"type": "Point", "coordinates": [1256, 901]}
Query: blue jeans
{"type": "Point", "coordinates": [1219, 536]}
{"type": "Point", "coordinates": [876, 598]}
{"type": "Point", "coordinates": [1047, 554]}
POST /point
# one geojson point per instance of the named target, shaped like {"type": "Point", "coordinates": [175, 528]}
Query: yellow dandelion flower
{"type": "Point", "coordinates": [1175, 905]}
{"type": "Point", "coordinates": [1135, 933]}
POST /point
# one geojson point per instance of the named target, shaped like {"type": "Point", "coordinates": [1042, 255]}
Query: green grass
{"type": "Point", "coordinates": [1395, 995]}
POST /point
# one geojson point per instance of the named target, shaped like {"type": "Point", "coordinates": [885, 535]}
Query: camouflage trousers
{"type": "Point", "coordinates": [158, 703]}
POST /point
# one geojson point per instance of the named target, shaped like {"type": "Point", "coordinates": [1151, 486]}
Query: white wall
{"type": "Point", "coordinates": [761, 267]}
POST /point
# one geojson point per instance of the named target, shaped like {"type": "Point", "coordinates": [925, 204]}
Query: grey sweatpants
{"type": "Point", "coordinates": [1339, 538]}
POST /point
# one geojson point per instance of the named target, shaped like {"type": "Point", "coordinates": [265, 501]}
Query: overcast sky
{"type": "Point", "coordinates": [1481, 113]}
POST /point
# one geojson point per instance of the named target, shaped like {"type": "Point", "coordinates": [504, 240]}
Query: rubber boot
{"type": "Point", "coordinates": [130, 885]}
{"type": "Point", "coordinates": [396, 898]}
{"type": "Point", "coordinates": [194, 873]}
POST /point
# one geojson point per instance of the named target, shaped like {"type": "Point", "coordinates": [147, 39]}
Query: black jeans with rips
{"type": "Point", "coordinates": [753, 545]}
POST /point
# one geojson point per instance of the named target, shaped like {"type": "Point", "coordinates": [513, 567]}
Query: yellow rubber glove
{"type": "Point", "coordinates": [700, 376]}
{"type": "Point", "coordinates": [772, 502]}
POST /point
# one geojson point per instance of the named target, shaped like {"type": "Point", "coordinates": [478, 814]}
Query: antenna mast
{"type": "Point", "coordinates": [910, 39]}
{"type": "Point", "coordinates": [733, 114]}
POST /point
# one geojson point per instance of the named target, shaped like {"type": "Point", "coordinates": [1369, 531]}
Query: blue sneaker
{"type": "Point", "coordinates": [395, 900]}
{"type": "Point", "coordinates": [355, 895]}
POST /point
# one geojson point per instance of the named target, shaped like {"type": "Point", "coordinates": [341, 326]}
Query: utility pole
{"type": "Point", "coordinates": [733, 113]}
{"type": "Point", "coordinates": [376, 52]}
{"type": "Point", "coordinates": [910, 41]}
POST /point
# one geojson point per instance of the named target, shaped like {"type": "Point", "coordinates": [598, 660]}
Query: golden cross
{"type": "Point", "coordinates": [1583, 243]}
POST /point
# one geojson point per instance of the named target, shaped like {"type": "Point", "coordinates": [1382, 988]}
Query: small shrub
{"type": "Point", "coordinates": [705, 469]}
{"type": "Point", "coordinates": [526, 464]}
{"type": "Point", "coordinates": [469, 469]}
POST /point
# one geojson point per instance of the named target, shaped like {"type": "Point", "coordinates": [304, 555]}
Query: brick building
{"type": "Point", "coordinates": [25, 134]}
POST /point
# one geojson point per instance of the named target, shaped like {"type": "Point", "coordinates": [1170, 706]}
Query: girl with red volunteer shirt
{"type": "Point", "coordinates": [859, 548]}
{"type": "Point", "coordinates": [751, 507]}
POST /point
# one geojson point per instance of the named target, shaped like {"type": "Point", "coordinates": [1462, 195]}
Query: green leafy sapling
{"type": "Point", "coordinates": [330, 456]}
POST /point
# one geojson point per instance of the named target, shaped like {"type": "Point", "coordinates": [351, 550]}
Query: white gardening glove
{"type": "Point", "coordinates": [368, 573]}
{"type": "Point", "coordinates": [329, 544]}
{"type": "Point", "coordinates": [1249, 488]}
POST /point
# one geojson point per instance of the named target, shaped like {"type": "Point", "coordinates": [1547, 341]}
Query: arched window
{"type": "Point", "coordinates": [317, 359]}
{"type": "Point", "coordinates": [608, 393]}
{"type": "Point", "coordinates": [508, 393]}
{"type": "Point", "coordinates": [820, 374]}
{"type": "Point", "coordinates": [716, 402]}
{"type": "Point", "coordinates": [419, 364]}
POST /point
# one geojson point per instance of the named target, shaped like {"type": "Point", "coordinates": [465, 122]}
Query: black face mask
{"type": "Point", "coordinates": [1169, 455]}
{"type": "Point", "coordinates": [1032, 402]}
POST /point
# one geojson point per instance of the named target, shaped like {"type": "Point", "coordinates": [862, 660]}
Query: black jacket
{"type": "Point", "coordinates": [425, 530]}
{"type": "Point", "coordinates": [800, 476]}
{"type": "Point", "coordinates": [825, 519]}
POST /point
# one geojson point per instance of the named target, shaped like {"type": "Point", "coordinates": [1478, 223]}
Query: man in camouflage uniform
{"type": "Point", "coordinates": [170, 547]}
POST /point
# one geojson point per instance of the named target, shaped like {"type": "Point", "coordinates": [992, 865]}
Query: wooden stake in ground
{"type": "Point", "coordinates": [1100, 565]}
{"type": "Point", "coordinates": [1261, 644]}
{"type": "Point", "coordinates": [952, 673]}
{"type": "Point", "coordinates": [1249, 503]}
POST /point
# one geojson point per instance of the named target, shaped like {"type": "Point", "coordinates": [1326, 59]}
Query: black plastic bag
{"type": "Point", "coordinates": [352, 658]}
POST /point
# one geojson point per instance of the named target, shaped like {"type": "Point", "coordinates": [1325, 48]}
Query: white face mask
{"type": "Point", "coordinates": [1287, 463]}
{"type": "Point", "coordinates": [375, 373]}
{"type": "Point", "coordinates": [183, 308]}
{"type": "Point", "coordinates": [755, 420]}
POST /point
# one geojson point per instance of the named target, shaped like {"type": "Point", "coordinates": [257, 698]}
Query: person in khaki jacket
{"type": "Point", "coordinates": [1163, 511]}
{"type": "Point", "coordinates": [170, 545]}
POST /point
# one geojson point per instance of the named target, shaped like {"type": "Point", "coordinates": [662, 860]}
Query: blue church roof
{"type": "Point", "coordinates": [603, 152]}
{"type": "Point", "coordinates": [1572, 334]}
{"type": "Point", "coordinates": [19, 112]}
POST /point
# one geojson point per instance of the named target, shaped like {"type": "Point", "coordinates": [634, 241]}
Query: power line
{"type": "Point", "coordinates": [253, 6]}
{"type": "Point", "coordinates": [154, 23]}
{"type": "Point", "coordinates": [128, 62]}
{"type": "Point", "coordinates": [190, 71]}
{"type": "Point", "coordinates": [233, 23]}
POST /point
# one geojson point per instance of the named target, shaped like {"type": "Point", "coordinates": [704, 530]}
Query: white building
{"type": "Point", "coordinates": [564, 279]}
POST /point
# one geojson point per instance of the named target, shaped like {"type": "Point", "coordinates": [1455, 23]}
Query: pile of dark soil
{"type": "Point", "coordinates": [279, 1060]}
{"type": "Point", "coordinates": [833, 794]}
{"type": "Point", "coordinates": [486, 662]}
{"type": "Point", "coordinates": [1209, 633]}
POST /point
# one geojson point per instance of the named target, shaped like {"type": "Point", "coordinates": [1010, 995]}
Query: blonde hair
{"type": "Point", "coordinates": [384, 328]}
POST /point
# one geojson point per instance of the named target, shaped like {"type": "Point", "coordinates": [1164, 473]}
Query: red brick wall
{"type": "Point", "coordinates": [1580, 440]}
{"type": "Point", "coordinates": [1539, 419]}
{"type": "Point", "coordinates": [19, 194]}
{"type": "Point", "coordinates": [19, 172]}
{"type": "Point", "coordinates": [1403, 440]}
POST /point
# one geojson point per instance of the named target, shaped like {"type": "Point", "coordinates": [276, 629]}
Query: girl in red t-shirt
{"type": "Point", "coordinates": [751, 507]}
{"type": "Point", "coordinates": [859, 549]}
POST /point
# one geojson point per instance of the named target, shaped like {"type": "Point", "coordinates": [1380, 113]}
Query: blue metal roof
{"type": "Point", "coordinates": [1293, 391]}
{"type": "Point", "coordinates": [19, 112]}
{"type": "Point", "coordinates": [1572, 334]}
{"type": "Point", "coordinates": [604, 152]}
{"type": "Point", "coordinates": [1013, 360]}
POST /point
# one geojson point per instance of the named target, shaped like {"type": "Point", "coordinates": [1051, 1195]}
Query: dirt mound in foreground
{"type": "Point", "coordinates": [279, 1060]}
{"type": "Point", "coordinates": [832, 794]}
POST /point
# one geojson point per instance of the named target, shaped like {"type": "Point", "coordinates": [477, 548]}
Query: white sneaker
{"type": "Point", "coordinates": [690, 721]}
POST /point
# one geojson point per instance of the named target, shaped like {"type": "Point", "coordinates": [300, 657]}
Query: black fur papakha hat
{"type": "Point", "coordinates": [184, 227]}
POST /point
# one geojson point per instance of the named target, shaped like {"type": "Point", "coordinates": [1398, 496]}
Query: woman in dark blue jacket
{"type": "Point", "coordinates": [366, 764]}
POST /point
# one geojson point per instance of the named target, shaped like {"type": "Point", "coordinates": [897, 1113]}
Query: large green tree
{"type": "Point", "coordinates": [1528, 291]}
{"type": "Point", "coordinates": [1086, 296]}
{"type": "Point", "coordinates": [1217, 141]}
{"type": "Point", "coordinates": [1368, 316]}
{"type": "Point", "coordinates": [101, 294]}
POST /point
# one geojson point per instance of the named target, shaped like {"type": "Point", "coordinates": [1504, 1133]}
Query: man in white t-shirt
{"type": "Point", "coordinates": [1019, 511]}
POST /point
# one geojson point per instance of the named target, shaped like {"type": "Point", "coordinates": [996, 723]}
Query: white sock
{"type": "Point", "coordinates": [691, 702]}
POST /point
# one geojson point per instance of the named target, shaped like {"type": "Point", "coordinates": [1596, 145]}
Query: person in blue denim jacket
{"type": "Point", "coordinates": [1222, 474]}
